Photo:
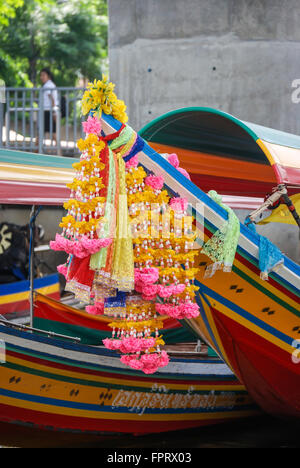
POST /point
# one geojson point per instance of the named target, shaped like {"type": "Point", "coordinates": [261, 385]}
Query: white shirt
{"type": "Point", "coordinates": [51, 96]}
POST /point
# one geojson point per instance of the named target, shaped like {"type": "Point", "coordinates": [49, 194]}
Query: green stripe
{"type": "Point", "coordinates": [94, 337]}
{"type": "Point", "coordinates": [34, 159]}
{"type": "Point", "coordinates": [147, 129]}
{"type": "Point", "coordinates": [88, 336]}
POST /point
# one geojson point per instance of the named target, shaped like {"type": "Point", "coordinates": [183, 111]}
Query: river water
{"type": "Point", "coordinates": [258, 432]}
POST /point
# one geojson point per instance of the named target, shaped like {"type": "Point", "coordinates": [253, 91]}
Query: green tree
{"type": "Point", "coordinates": [8, 10]}
{"type": "Point", "coordinates": [70, 37]}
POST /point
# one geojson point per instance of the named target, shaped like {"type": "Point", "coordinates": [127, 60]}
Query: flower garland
{"type": "Point", "coordinates": [130, 245]}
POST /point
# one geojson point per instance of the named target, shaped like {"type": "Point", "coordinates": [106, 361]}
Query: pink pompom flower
{"type": "Point", "coordinates": [156, 182]}
{"type": "Point", "coordinates": [173, 159]}
{"type": "Point", "coordinates": [179, 204]}
{"type": "Point", "coordinates": [92, 125]}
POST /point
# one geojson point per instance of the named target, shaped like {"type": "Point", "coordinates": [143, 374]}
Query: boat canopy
{"type": "Point", "coordinates": [30, 178]}
{"type": "Point", "coordinates": [226, 154]}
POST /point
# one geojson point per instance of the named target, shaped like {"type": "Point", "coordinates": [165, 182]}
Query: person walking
{"type": "Point", "coordinates": [50, 102]}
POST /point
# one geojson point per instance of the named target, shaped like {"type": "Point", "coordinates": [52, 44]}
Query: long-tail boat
{"type": "Point", "coordinates": [252, 323]}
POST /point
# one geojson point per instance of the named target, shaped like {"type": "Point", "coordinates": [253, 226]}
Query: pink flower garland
{"type": "Point", "coordinates": [96, 309]}
{"type": "Point", "coordinates": [63, 270]}
{"type": "Point", "coordinates": [129, 345]}
{"type": "Point", "coordinates": [148, 363]}
{"type": "Point", "coordinates": [173, 159]}
{"type": "Point", "coordinates": [172, 290]}
{"type": "Point", "coordinates": [92, 125]}
{"type": "Point", "coordinates": [178, 204]}
{"type": "Point", "coordinates": [181, 311]}
{"type": "Point", "coordinates": [81, 248]}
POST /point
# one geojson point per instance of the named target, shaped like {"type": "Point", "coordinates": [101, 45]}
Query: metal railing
{"type": "Point", "coordinates": [41, 120]}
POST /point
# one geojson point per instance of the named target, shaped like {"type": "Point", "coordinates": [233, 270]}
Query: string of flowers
{"type": "Point", "coordinates": [162, 237]}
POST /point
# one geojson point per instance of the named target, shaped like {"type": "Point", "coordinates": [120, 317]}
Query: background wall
{"type": "Point", "coordinates": [240, 56]}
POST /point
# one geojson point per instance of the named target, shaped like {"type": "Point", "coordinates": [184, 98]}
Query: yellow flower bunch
{"type": "Point", "coordinates": [143, 257]}
{"type": "Point", "coordinates": [135, 177]}
{"type": "Point", "coordinates": [89, 165]}
{"type": "Point", "coordinates": [148, 196]}
{"type": "Point", "coordinates": [84, 227]}
{"type": "Point", "coordinates": [66, 221]}
{"type": "Point", "coordinates": [158, 342]}
{"type": "Point", "coordinates": [87, 186]}
{"type": "Point", "coordinates": [100, 97]}
{"type": "Point", "coordinates": [84, 207]}
{"type": "Point", "coordinates": [145, 307]}
{"type": "Point", "coordinates": [139, 326]}
{"type": "Point", "coordinates": [90, 140]}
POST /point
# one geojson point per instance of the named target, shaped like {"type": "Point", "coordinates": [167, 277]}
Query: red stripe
{"type": "Point", "coordinates": [242, 187]}
{"type": "Point", "coordinates": [22, 306]}
{"type": "Point", "coordinates": [63, 314]}
{"type": "Point", "coordinates": [62, 422]}
{"type": "Point", "coordinates": [267, 371]}
{"type": "Point", "coordinates": [30, 193]}
{"type": "Point", "coordinates": [288, 175]}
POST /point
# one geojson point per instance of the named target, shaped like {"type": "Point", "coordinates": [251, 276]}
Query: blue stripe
{"type": "Point", "coordinates": [101, 409]}
{"type": "Point", "coordinates": [243, 313]}
{"type": "Point", "coordinates": [22, 286]}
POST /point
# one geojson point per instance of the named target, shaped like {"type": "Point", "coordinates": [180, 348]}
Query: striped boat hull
{"type": "Point", "coordinates": [46, 383]}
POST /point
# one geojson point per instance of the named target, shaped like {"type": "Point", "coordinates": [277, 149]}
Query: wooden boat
{"type": "Point", "coordinates": [254, 325]}
{"type": "Point", "coordinates": [84, 393]}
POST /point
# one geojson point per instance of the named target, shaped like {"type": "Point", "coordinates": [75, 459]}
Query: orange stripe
{"type": "Point", "coordinates": [197, 162]}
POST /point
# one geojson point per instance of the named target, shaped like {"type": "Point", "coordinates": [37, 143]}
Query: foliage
{"type": "Point", "coordinates": [8, 10]}
{"type": "Point", "coordinates": [69, 37]}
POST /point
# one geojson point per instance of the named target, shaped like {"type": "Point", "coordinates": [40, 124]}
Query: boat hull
{"type": "Point", "coordinates": [55, 386]}
{"type": "Point", "coordinates": [254, 325]}
{"type": "Point", "coordinates": [269, 309]}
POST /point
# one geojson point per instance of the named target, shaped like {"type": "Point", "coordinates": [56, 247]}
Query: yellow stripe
{"type": "Point", "coordinates": [262, 145]}
{"type": "Point", "coordinates": [44, 387]}
{"type": "Point", "coordinates": [23, 173]}
{"type": "Point", "coordinates": [23, 296]}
